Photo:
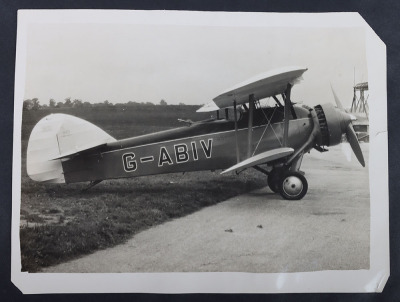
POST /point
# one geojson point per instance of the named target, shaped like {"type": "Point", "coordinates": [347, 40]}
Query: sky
{"type": "Point", "coordinates": [186, 64]}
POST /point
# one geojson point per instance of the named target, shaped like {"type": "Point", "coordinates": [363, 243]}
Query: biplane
{"type": "Point", "coordinates": [270, 139]}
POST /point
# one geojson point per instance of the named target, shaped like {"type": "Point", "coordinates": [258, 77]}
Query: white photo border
{"type": "Point", "coordinates": [372, 280]}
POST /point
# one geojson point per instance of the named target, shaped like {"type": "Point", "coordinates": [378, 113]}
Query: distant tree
{"type": "Point", "coordinates": [60, 105]}
{"type": "Point", "coordinates": [77, 103]}
{"type": "Point", "coordinates": [86, 104]}
{"type": "Point", "coordinates": [151, 104]}
{"type": "Point", "coordinates": [68, 102]}
{"type": "Point", "coordinates": [27, 105]}
{"type": "Point", "coordinates": [181, 104]}
{"type": "Point", "coordinates": [130, 103]}
{"type": "Point", "coordinates": [107, 103]}
{"type": "Point", "coordinates": [44, 106]}
{"type": "Point", "coordinates": [163, 103]}
{"type": "Point", "coordinates": [52, 103]}
{"type": "Point", "coordinates": [35, 104]}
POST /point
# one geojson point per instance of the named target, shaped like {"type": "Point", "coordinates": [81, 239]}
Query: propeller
{"type": "Point", "coordinates": [347, 128]}
{"type": "Point", "coordinates": [353, 140]}
{"type": "Point", "coordinates": [337, 101]}
{"type": "Point", "coordinates": [346, 148]}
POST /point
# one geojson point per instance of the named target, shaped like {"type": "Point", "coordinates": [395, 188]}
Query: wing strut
{"type": "Point", "coordinates": [277, 101]}
{"type": "Point", "coordinates": [236, 132]}
{"type": "Point", "coordinates": [286, 115]}
{"type": "Point", "coordinates": [250, 129]}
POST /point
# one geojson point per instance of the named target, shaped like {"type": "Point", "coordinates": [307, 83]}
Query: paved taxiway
{"type": "Point", "coordinates": [327, 230]}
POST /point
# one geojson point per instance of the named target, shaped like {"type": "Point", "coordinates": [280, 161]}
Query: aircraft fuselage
{"type": "Point", "coordinates": [209, 145]}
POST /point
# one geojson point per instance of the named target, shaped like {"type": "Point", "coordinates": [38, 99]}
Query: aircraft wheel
{"type": "Point", "coordinates": [293, 185]}
{"type": "Point", "coordinates": [273, 180]}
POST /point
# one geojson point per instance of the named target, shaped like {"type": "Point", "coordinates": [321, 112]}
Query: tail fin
{"type": "Point", "coordinates": [56, 136]}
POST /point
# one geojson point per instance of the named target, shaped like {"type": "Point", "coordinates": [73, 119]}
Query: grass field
{"type": "Point", "coordinates": [59, 222]}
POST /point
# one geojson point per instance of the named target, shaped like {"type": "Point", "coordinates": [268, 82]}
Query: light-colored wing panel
{"type": "Point", "coordinates": [261, 158]}
{"type": "Point", "coordinates": [211, 106]}
{"type": "Point", "coordinates": [264, 85]}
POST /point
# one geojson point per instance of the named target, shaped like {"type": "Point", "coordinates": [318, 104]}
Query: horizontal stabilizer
{"type": "Point", "coordinates": [264, 85]}
{"type": "Point", "coordinates": [261, 158]}
{"type": "Point", "coordinates": [83, 148]}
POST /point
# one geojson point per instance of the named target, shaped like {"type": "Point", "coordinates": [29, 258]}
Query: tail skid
{"type": "Point", "coordinates": [91, 184]}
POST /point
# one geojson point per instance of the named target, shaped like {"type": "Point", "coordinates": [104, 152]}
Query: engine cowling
{"type": "Point", "coordinates": [333, 123]}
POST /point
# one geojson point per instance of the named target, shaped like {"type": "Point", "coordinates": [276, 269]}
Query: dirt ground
{"type": "Point", "coordinates": [329, 229]}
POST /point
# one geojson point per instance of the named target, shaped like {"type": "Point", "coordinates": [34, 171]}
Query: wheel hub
{"type": "Point", "coordinates": [292, 185]}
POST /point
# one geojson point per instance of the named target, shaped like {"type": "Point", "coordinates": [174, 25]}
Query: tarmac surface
{"type": "Point", "coordinates": [329, 229]}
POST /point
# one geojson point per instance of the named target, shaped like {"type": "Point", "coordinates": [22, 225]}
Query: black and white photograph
{"type": "Point", "coordinates": [183, 152]}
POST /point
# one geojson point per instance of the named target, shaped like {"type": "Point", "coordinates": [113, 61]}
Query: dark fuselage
{"type": "Point", "coordinates": [206, 145]}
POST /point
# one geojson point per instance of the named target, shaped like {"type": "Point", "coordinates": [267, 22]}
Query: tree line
{"type": "Point", "coordinates": [34, 104]}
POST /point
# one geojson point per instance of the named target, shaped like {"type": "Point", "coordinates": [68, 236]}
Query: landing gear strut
{"type": "Point", "coordinates": [273, 179]}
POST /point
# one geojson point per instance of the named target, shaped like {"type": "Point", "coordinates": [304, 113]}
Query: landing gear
{"type": "Point", "coordinates": [273, 179]}
{"type": "Point", "coordinates": [288, 180]}
{"type": "Point", "coordinates": [293, 185]}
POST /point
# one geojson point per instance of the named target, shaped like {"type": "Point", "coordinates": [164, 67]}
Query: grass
{"type": "Point", "coordinates": [59, 222]}
{"type": "Point", "coordinates": [113, 211]}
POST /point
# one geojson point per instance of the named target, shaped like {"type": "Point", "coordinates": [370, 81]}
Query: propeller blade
{"type": "Point", "coordinates": [337, 101]}
{"type": "Point", "coordinates": [352, 138]}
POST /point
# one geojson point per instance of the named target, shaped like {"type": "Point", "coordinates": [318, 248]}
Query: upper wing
{"type": "Point", "coordinates": [267, 84]}
{"type": "Point", "coordinates": [261, 158]}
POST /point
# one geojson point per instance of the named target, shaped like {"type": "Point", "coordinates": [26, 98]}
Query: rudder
{"type": "Point", "coordinates": [56, 136]}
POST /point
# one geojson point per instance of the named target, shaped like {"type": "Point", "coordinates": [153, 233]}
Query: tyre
{"type": "Point", "coordinates": [293, 185]}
